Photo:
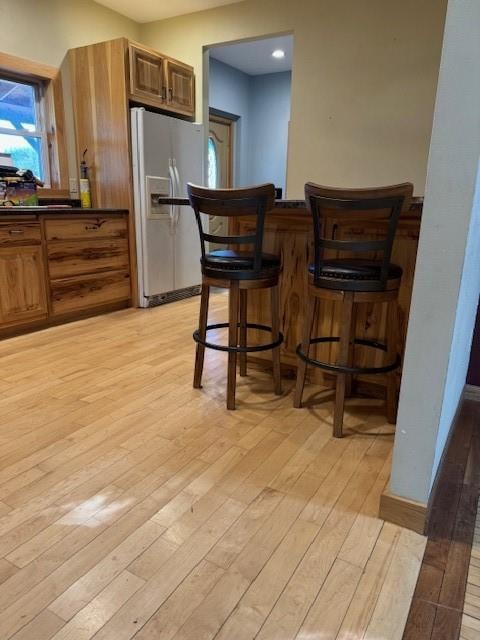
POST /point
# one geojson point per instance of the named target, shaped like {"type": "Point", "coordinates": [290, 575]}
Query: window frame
{"type": "Point", "coordinates": [41, 132]}
{"type": "Point", "coordinates": [52, 112]}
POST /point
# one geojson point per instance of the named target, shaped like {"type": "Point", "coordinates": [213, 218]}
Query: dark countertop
{"type": "Point", "coordinates": [279, 204]}
{"type": "Point", "coordinates": [415, 205]}
{"type": "Point", "coordinates": [9, 212]}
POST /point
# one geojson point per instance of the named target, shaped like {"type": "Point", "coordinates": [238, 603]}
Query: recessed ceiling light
{"type": "Point", "coordinates": [278, 53]}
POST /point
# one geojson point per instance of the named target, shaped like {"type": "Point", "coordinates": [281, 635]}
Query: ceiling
{"type": "Point", "coordinates": [150, 10]}
{"type": "Point", "coordinates": [255, 56]}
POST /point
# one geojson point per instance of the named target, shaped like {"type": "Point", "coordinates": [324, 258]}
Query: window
{"type": "Point", "coordinates": [22, 125]}
{"type": "Point", "coordinates": [212, 164]}
{"type": "Point", "coordinates": [32, 121]}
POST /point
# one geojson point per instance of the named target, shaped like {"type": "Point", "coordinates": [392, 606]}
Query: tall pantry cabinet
{"type": "Point", "coordinates": [106, 79]}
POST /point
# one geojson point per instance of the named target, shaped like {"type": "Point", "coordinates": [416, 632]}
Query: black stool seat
{"type": "Point", "coordinates": [238, 264]}
{"type": "Point", "coordinates": [355, 269]}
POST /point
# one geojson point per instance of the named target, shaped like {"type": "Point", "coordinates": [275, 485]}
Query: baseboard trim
{"type": "Point", "coordinates": [471, 392]}
{"type": "Point", "coordinates": [406, 513]}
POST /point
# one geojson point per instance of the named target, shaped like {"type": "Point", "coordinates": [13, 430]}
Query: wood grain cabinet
{"type": "Point", "coordinates": [180, 87]}
{"type": "Point", "coordinates": [147, 75]}
{"type": "Point", "coordinates": [159, 81]}
{"type": "Point", "coordinates": [22, 274]}
{"type": "Point", "coordinates": [62, 267]}
{"type": "Point", "coordinates": [106, 79]}
{"type": "Point", "coordinates": [88, 262]}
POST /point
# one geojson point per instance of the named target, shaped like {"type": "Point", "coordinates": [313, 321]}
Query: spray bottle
{"type": "Point", "coordinates": [85, 198]}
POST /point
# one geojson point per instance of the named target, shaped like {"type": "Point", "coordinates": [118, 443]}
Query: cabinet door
{"type": "Point", "coordinates": [180, 87]}
{"type": "Point", "coordinates": [146, 75]}
{"type": "Point", "coordinates": [22, 285]}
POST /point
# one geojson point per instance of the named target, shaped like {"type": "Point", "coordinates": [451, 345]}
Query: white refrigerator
{"type": "Point", "coordinates": [166, 154]}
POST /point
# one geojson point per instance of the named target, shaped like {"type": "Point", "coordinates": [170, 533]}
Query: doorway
{"type": "Point", "coordinates": [219, 165]}
{"type": "Point", "coordinates": [220, 152]}
{"type": "Point", "coordinates": [250, 81]}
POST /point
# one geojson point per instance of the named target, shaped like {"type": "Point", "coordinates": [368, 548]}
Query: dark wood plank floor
{"type": "Point", "coordinates": [437, 605]}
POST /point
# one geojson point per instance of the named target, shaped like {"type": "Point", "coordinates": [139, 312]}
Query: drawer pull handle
{"type": "Point", "coordinates": [95, 226]}
{"type": "Point", "coordinates": [170, 94]}
{"type": "Point", "coordinates": [16, 232]}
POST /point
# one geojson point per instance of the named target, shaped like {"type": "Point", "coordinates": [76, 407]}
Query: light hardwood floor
{"type": "Point", "coordinates": [132, 505]}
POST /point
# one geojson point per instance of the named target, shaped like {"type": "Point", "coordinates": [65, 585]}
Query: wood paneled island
{"type": "Point", "coordinates": [288, 232]}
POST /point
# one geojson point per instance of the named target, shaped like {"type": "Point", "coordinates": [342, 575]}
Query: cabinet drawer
{"type": "Point", "coordinates": [86, 228]}
{"type": "Point", "coordinates": [80, 257]}
{"type": "Point", "coordinates": [84, 292]}
{"type": "Point", "coordinates": [19, 234]}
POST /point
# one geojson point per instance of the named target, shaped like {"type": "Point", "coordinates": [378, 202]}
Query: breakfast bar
{"type": "Point", "coordinates": [288, 233]}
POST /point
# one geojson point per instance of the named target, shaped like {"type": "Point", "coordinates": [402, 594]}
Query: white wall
{"type": "Point", "coordinates": [363, 80]}
{"type": "Point", "coordinates": [447, 278]}
{"type": "Point", "coordinates": [43, 30]}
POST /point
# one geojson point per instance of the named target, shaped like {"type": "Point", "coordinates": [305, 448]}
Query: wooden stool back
{"type": "Point", "coordinates": [382, 204]}
{"type": "Point", "coordinates": [253, 201]}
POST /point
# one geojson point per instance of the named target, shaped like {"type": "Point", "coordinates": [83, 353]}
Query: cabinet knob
{"type": "Point", "coordinates": [170, 94]}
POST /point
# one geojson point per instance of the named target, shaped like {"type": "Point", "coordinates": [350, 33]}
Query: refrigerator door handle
{"type": "Point", "coordinates": [178, 190]}
{"type": "Point", "coordinates": [173, 182]}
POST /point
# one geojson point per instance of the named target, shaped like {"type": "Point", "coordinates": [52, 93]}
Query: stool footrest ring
{"type": "Point", "coordinates": [250, 325]}
{"type": "Point", "coordinates": [336, 368]}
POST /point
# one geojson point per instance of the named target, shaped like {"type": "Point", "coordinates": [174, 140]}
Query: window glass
{"type": "Point", "coordinates": [17, 105]}
{"type": "Point", "coordinates": [26, 152]}
{"type": "Point", "coordinates": [212, 164]}
{"type": "Point", "coordinates": [21, 134]}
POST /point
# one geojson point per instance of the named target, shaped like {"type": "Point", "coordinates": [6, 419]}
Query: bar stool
{"type": "Point", "coordinates": [351, 280]}
{"type": "Point", "coordinates": [238, 271]}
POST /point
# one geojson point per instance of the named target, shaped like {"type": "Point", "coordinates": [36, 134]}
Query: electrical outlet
{"type": "Point", "coordinates": [73, 187]}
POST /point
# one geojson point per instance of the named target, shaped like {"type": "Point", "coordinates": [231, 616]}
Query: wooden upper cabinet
{"type": "Point", "coordinates": [147, 76]}
{"type": "Point", "coordinates": [180, 87]}
{"type": "Point", "coordinates": [159, 81]}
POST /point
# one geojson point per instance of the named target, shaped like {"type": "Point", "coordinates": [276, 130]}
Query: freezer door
{"type": "Point", "coordinates": [153, 171]}
{"type": "Point", "coordinates": [188, 151]}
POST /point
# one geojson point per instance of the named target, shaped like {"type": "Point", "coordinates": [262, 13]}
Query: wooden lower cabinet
{"type": "Point", "coordinates": [62, 267]}
{"type": "Point", "coordinates": [83, 292]}
{"type": "Point", "coordinates": [23, 289]}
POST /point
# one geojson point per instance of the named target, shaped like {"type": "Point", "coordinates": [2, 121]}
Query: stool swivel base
{"type": "Point", "coordinates": [237, 331]}
{"type": "Point", "coordinates": [344, 368]}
